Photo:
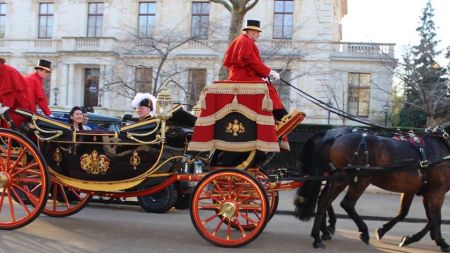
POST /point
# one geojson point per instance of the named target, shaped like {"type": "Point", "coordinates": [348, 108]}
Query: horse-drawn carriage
{"type": "Point", "coordinates": [56, 170]}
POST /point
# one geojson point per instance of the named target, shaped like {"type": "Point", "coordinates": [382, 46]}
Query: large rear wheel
{"type": "Point", "coordinates": [64, 201]}
{"type": "Point", "coordinates": [23, 180]}
{"type": "Point", "coordinates": [226, 197]}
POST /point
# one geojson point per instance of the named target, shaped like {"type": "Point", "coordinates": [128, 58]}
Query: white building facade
{"type": "Point", "coordinates": [103, 52]}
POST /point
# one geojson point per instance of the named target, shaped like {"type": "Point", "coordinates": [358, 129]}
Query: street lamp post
{"type": "Point", "coordinates": [55, 92]}
{"type": "Point", "coordinates": [100, 95]}
{"type": "Point", "coordinates": [386, 108]}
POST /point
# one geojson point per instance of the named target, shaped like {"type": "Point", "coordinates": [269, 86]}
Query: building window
{"type": "Point", "coordinates": [200, 20]}
{"type": "Point", "coordinates": [2, 19]}
{"type": "Point", "coordinates": [95, 19]}
{"type": "Point", "coordinates": [282, 89]}
{"type": "Point", "coordinates": [358, 94]}
{"type": "Point", "coordinates": [143, 79]}
{"type": "Point", "coordinates": [196, 83]}
{"type": "Point", "coordinates": [45, 20]}
{"type": "Point", "coordinates": [282, 21]}
{"type": "Point", "coordinates": [147, 15]}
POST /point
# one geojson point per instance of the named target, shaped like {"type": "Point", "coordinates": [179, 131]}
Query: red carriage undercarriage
{"type": "Point", "coordinates": [60, 170]}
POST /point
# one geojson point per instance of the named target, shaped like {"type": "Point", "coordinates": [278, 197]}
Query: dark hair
{"type": "Point", "coordinates": [83, 109]}
{"type": "Point", "coordinates": [2, 60]}
{"type": "Point", "coordinates": [75, 108]}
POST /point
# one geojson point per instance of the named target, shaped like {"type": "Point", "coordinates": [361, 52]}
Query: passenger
{"type": "Point", "coordinates": [35, 87]}
{"type": "Point", "coordinates": [85, 118]}
{"type": "Point", "coordinates": [76, 118]}
{"type": "Point", "coordinates": [145, 106]}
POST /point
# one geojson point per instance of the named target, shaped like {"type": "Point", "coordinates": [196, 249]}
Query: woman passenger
{"type": "Point", "coordinates": [76, 118]}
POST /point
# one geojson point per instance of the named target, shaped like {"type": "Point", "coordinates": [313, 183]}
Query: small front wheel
{"type": "Point", "coordinates": [224, 198]}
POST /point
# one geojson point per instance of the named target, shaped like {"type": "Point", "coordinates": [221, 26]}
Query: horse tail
{"type": "Point", "coordinates": [307, 195]}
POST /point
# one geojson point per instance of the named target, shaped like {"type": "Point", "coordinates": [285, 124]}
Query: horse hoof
{"type": "Point", "coordinates": [379, 233]}
{"type": "Point", "coordinates": [326, 237]}
{"type": "Point", "coordinates": [445, 248]}
{"type": "Point", "coordinates": [404, 241]}
{"type": "Point", "coordinates": [319, 245]}
{"type": "Point", "coordinates": [364, 237]}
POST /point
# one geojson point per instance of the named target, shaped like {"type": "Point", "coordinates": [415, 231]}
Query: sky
{"type": "Point", "coordinates": [393, 21]}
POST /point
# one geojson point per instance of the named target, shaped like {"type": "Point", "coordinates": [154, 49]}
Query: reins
{"type": "Point", "coordinates": [333, 109]}
{"type": "Point", "coordinates": [362, 170]}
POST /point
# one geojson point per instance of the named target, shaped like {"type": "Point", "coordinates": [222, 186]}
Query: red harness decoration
{"type": "Point", "coordinates": [235, 116]}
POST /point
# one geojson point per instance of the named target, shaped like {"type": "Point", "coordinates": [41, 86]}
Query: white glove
{"type": "Point", "coordinates": [275, 75]}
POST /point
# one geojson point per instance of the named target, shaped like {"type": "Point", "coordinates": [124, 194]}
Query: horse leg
{"type": "Point", "coordinates": [331, 220]}
{"type": "Point", "coordinates": [326, 233]}
{"type": "Point", "coordinates": [355, 191]}
{"type": "Point", "coordinates": [405, 203]}
{"type": "Point", "coordinates": [406, 240]}
{"type": "Point", "coordinates": [434, 206]}
{"type": "Point", "coordinates": [325, 201]}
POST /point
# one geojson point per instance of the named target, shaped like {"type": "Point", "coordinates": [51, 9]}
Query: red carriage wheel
{"type": "Point", "coordinates": [226, 197]}
{"type": "Point", "coordinates": [23, 180]}
{"type": "Point", "coordinates": [273, 196]}
{"type": "Point", "coordinates": [64, 201]}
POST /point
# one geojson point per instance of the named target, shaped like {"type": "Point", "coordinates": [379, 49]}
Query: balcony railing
{"type": "Point", "coordinates": [98, 44]}
{"type": "Point", "coordinates": [352, 49]}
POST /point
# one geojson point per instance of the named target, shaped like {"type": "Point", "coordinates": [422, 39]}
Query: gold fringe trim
{"type": "Point", "coordinates": [285, 145]}
{"type": "Point", "coordinates": [267, 104]}
{"type": "Point", "coordinates": [237, 88]}
{"type": "Point", "coordinates": [202, 100]}
{"type": "Point", "coordinates": [234, 146]}
{"type": "Point", "coordinates": [234, 107]}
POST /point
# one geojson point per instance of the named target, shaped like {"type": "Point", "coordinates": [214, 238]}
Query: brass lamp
{"type": "Point", "coordinates": [164, 104]}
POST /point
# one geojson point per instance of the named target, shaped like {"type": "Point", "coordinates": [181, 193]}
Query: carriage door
{"type": "Point", "coordinates": [91, 77]}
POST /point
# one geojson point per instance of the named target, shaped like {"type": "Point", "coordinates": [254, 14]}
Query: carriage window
{"type": "Point", "coordinates": [95, 19]}
{"type": "Point", "coordinates": [283, 90]}
{"type": "Point", "coordinates": [2, 19]}
{"type": "Point", "coordinates": [200, 20]}
{"type": "Point", "coordinates": [45, 20]}
{"type": "Point", "coordinates": [147, 16]}
{"type": "Point", "coordinates": [282, 20]}
{"type": "Point", "coordinates": [143, 80]}
{"type": "Point", "coordinates": [196, 83]}
{"type": "Point", "coordinates": [358, 94]}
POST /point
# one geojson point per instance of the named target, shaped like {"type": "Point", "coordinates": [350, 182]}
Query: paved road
{"type": "Point", "coordinates": [100, 228]}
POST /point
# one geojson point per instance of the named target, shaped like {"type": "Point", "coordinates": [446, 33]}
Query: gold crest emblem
{"type": "Point", "coordinates": [57, 156]}
{"type": "Point", "coordinates": [135, 160]}
{"type": "Point", "coordinates": [235, 127]}
{"type": "Point", "coordinates": [94, 163]}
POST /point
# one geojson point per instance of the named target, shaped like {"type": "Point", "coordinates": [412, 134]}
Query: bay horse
{"type": "Point", "coordinates": [342, 147]}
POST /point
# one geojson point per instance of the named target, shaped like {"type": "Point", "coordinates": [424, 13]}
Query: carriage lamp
{"type": "Point", "coordinates": [55, 92]}
{"type": "Point", "coordinates": [164, 104]}
{"type": "Point", "coordinates": [386, 108]}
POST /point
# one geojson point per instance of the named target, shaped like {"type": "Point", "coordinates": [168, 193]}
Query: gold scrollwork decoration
{"type": "Point", "coordinates": [235, 127]}
{"type": "Point", "coordinates": [135, 160]}
{"type": "Point", "coordinates": [94, 163]}
{"type": "Point", "coordinates": [57, 156]}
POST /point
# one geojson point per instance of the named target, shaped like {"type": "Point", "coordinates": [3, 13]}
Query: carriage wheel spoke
{"type": "Point", "coordinates": [238, 193]}
{"type": "Point", "coordinates": [28, 180]}
{"type": "Point", "coordinates": [27, 169]}
{"type": "Point", "coordinates": [230, 188]}
{"type": "Point", "coordinates": [11, 207]}
{"type": "Point", "coordinates": [2, 198]}
{"type": "Point", "coordinates": [66, 201]}
{"type": "Point", "coordinates": [210, 196]}
{"type": "Point", "coordinates": [76, 194]}
{"type": "Point", "coordinates": [210, 218]}
{"type": "Point", "coordinates": [219, 189]}
{"type": "Point", "coordinates": [18, 158]}
{"type": "Point", "coordinates": [229, 229]}
{"type": "Point", "coordinates": [209, 207]}
{"type": "Point", "coordinates": [238, 223]}
{"type": "Point", "coordinates": [31, 197]}
{"type": "Point", "coordinates": [216, 229]}
{"type": "Point", "coordinates": [19, 198]}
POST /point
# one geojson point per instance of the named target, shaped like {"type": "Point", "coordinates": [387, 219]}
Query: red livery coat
{"type": "Point", "coordinates": [12, 92]}
{"type": "Point", "coordinates": [36, 93]}
{"type": "Point", "coordinates": [244, 64]}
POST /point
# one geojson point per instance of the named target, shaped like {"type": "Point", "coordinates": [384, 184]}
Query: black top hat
{"type": "Point", "coordinates": [44, 64]}
{"type": "Point", "coordinates": [252, 25]}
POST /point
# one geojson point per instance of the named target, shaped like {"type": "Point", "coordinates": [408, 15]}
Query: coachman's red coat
{"type": "Point", "coordinates": [12, 92]}
{"type": "Point", "coordinates": [244, 64]}
{"type": "Point", "coordinates": [36, 94]}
